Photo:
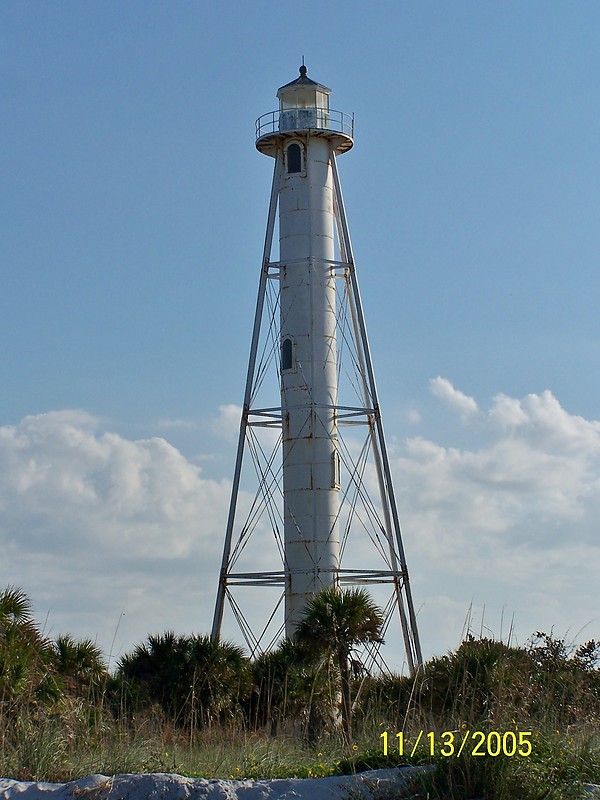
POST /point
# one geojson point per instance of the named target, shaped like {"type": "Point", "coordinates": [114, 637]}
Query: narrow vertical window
{"type": "Point", "coordinates": [287, 361]}
{"type": "Point", "coordinates": [335, 470]}
{"type": "Point", "coordinates": [294, 158]}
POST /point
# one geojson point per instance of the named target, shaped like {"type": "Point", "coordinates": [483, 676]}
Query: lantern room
{"type": "Point", "coordinates": [303, 103]}
{"type": "Point", "coordinates": [304, 108]}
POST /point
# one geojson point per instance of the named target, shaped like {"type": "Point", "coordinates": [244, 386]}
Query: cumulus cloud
{"type": "Point", "coordinates": [413, 416]}
{"type": "Point", "coordinates": [514, 518]}
{"type": "Point", "coordinates": [465, 405]}
{"type": "Point", "coordinates": [82, 505]}
{"type": "Point", "coordinates": [60, 474]}
{"type": "Point", "coordinates": [227, 423]}
{"type": "Point", "coordinates": [539, 463]}
{"type": "Point", "coordinates": [93, 524]}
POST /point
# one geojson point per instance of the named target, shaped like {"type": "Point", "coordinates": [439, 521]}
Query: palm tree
{"type": "Point", "coordinates": [217, 672]}
{"type": "Point", "coordinates": [15, 608]}
{"type": "Point", "coordinates": [80, 663]}
{"type": "Point", "coordinates": [284, 685]}
{"type": "Point", "coordinates": [25, 654]}
{"type": "Point", "coordinates": [189, 677]}
{"type": "Point", "coordinates": [334, 622]}
{"type": "Point", "coordinates": [154, 672]}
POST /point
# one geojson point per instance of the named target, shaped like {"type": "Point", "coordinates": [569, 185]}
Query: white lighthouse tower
{"type": "Point", "coordinates": [309, 331]}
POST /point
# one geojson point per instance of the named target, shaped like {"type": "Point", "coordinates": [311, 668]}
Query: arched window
{"type": "Point", "coordinates": [287, 354]}
{"type": "Point", "coordinates": [294, 158]}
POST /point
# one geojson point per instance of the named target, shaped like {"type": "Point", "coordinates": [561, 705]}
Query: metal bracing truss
{"type": "Point", "coordinates": [368, 520]}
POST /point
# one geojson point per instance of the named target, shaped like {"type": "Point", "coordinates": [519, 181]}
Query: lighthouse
{"type": "Point", "coordinates": [305, 141]}
{"type": "Point", "coordinates": [312, 490]}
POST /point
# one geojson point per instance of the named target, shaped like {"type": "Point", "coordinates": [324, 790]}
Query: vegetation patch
{"type": "Point", "coordinates": [308, 709]}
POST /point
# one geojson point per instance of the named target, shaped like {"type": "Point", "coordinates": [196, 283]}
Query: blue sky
{"type": "Point", "coordinates": [132, 219]}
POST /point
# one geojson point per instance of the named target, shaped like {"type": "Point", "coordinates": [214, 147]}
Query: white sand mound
{"type": "Point", "coordinates": [168, 786]}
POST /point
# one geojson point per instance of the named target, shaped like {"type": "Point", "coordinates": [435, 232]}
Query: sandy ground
{"type": "Point", "coordinates": [168, 786]}
{"type": "Point", "coordinates": [175, 787]}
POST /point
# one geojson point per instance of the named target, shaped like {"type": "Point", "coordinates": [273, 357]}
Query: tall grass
{"type": "Point", "coordinates": [58, 749]}
{"type": "Point", "coordinates": [63, 716]}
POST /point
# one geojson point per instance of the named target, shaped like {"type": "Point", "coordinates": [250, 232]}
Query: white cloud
{"type": "Point", "coordinates": [413, 416]}
{"type": "Point", "coordinates": [465, 405]}
{"type": "Point", "coordinates": [227, 423]}
{"type": "Point", "coordinates": [514, 519]}
{"type": "Point", "coordinates": [541, 420]}
{"type": "Point", "coordinates": [79, 506]}
{"type": "Point", "coordinates": [93, 524]}
{"type": "Point", "coordinates": [538, 462]}
{"type": "Point", "coordinates": [58, 472]}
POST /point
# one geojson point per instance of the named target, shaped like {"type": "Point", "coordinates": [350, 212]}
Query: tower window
{"type": "Point", "coordinates": [335, 470]}
{"type": "Point", "coordinates": [294, 158]}
{"type": "Point", "coordinates": [287, 354]}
